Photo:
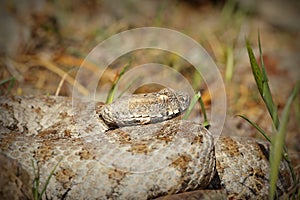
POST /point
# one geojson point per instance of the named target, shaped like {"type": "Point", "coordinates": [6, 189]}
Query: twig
{"type": "Point", "coordinates": [60, 84]}
{"type": "Point", "coordinates": [52, 67]}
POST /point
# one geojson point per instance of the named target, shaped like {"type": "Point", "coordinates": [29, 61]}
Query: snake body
{"type": "Point", "coordinates": [140, 161]}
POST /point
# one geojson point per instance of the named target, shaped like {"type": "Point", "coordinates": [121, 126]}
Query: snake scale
{"type": "Point", "coordinates": [135, 148]}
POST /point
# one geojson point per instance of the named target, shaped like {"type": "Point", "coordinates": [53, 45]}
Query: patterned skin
{"type": "Point", "coordinates": [140, 161]}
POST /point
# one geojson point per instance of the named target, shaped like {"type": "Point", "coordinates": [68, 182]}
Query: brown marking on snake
{"type": "Point", "coordinates": [198, 139]}
{"type": "Point", "coordinates": [67, 133]}
{"type": "Point", "coordinates": [140, 148]}
{"type": "Point", "coordinates": [89, 128]}
{"type": "Point", "coordinates": [8, 140]}
{"type": "Point", "coordinates": [116, 175]}
{"type": "Point", "coordinates": [63, 115]}
{"type": "Point", "coordinates": [84, 154]}
{"type": "Point", "coordinates": [197, 194]}
{"type": "Point", "coordinates": [137, 102]}
{"type": "Point", "coordinates": [98, 106]}
{"type": "Point", "coordinates": [5, 106]}
{"type": "Point", "coordinates": [65, 176]}
{"type": "Point", "coordinates": [167, 137]}
{"type": "Point", "coordinates": [219, 167]}
{"type": "Point", "coordinates": [231, 147]}
{"type": "Point", "coordinates": [49, 101]}
{"type": "Point", "coordinates": [258, 176]}
{"type": "Point", "coordinates": [50, 133]}
{"type": "Point", "coordinates": [44, 152]}
{"type": "Point", "coordinates": [167, 133]}
{"type": "Point", "coordinates": [121, 136]}
{"type": "Point", "coordinates": [37, 110]}
{"type": "Point", "coordinates": [181, 162]}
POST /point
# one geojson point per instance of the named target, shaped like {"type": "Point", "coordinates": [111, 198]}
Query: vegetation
{"type": "Point", "coordinates": [38, 192]}
{"type": "Point", "coordinates": [278, 148]}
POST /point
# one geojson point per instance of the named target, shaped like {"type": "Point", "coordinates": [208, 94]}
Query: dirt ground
{"type": "Point", "coordinates": [43, 45]}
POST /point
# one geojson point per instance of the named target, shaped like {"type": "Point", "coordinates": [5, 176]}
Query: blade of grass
{"type": "Point", "coordinates": [265, 135]}
{"type": "Point", "coordinates": [36, 182]}
{"type": "Point", "coordinates": [228, 12]}
{"type": "Point", "coordinates": [192, 105]}
{"type": "Point", "coordinates": [257, 127]}
{"type": "Point", "coordinates": [11, 81]}
{"type": "Point", "coordinates": [7, 80]}
{"type": "Point", "coordinates": [267, 95]}
{"type": "Point", "coordinates": [196, 80]}
{"type": "Point", "coordinates": [113, 89]}
{"type": "Point", "coordinates": [48, 179]}
{"type": "Point", "coordinates": [261, 80]}
{"type": "Point", "coordinates": [264, 73]}
{"type": "Point", "coordinates": [158, 19]}
{"type": "Point", "coordinates": [277, 147]}
{"type": "Point", "coordinates": [11, 84]}
{"type": "Point", "coordinates": [41, 61]}
{"type": "Point", "coordinates": [255, 68]}
{"type": "Point", "coordinates": [35, 191]}
{"type": "Point", "coordinates": [229, 64]}
{"type": "Point", "coordinates": [206, 122]}
{"type": "Point", "coordinates": [128, 86]}
{"type": "Point", "coordinates": [195, 99]}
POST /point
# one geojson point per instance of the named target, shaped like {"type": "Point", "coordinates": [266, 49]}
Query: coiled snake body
{"type": "Point", "coordinates": [136, 149]}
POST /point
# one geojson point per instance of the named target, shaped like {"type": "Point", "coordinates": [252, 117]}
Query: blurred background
{"type": "Point", "coordinates": [44, 42]}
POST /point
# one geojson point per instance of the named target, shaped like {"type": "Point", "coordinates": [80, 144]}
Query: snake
{"type": "Point", "coordinates": [137, 147]}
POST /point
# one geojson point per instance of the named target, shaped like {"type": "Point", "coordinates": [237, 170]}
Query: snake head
{"type": "Point", "coordinates": [106, 114]}
{"type": "Point", "coordinates": [183, 100]}
{"type": "Point", "coordinates": [139, 109]}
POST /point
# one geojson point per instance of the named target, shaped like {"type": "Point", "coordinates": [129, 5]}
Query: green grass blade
{"type": "Point", "coordinates": [267, 95]}
{"type": "Point", "coordinates": [36, 182]}
{"type": "Point", "coordinates": [264, 134]}
{"type": "Point", "coordinates": [113, 89]}
{"type": "Point", "coordinates": [206, 122]}
{"type": "Point", "coordinates": [257, 127]}
{"type": "Point", "coordinates": [261, 80]}
{"type": "Point", "coordinates": [277, 146]}
{"type": "Point", "coordinates": [11, 81]}
{"type": "Point", "coordinates": [195, 99]}
{"type": "Point", "coordinates": [192, 105]}
{"type": "Point", "coordinates": [11, 84]}
{"type": "Point", "coordinates": [229, 64]}
{"type": "Point", "coordinates": [35, 187]}
{"type": "Point", "coordinates": [128, 86]}
{"type": "Point", "coordinates": [264, 73]}
{"type": "Point", "coordinates": [255, 68]}
{"type": "Point", "coordinates": [7, 80]}
{"type": "Point", "coordinates": [48, 179]}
